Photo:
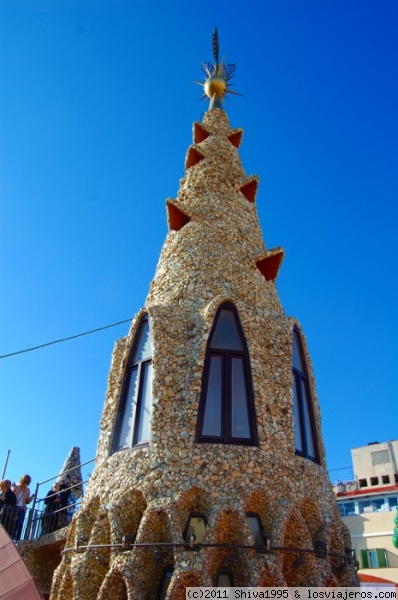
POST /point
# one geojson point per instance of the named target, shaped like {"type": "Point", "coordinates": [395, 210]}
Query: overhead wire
{"type": "Point", "coordinates": [66, 339]}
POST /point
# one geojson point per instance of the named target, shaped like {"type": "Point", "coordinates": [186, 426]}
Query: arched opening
{"type": "Point", "coordinates": [305, 437]}
{"type": "Point", "coordinates": [226, 408]}
{"type": "Point", "coordinates": [134, 416]}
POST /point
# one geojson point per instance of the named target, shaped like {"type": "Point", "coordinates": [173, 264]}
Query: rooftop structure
{"type": "Point", "coordinates": [210, 467]}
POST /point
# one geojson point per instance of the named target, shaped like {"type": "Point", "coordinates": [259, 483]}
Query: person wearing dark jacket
{"type": "Point", "coordinates": [8, 502]}
{"type": "Point", "coordinates": [55, 511]}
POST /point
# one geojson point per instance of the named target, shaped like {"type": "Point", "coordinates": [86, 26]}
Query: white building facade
{"type": "Point", "coordinates": [368, 505]}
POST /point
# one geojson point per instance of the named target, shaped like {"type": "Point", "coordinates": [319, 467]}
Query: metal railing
{"type": "Point", "coordinates": [345, 487]}
{"type": "Point", "coordinates": [39, 519]}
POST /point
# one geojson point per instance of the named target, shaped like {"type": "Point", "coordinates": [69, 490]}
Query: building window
{"type": "Point", "coordinates": [374, 559]}
{"type": "Point", "coordinates": [392, 503]}
{"type": "Point", "coordinates": [365, 506]}
{"type": "Point", "coordinates": [224, 579]}
{"type": "Point", "coordinates": [257, 529]}
{"type": "Point", "coordinates": [379, 505]}
{"type": "Point", "coordinates": [226, 408]}
{"type": "Point", "coordinates": [374, 481]}
{"type": "Point", "coordinates": [133, 421]}
{"type": "Point", "coordinates": [363, 483]}
{"type": "Point", "coordinates": [164, 584]}
{"type": "Point", "coordinates": [347, 509]}
{"type": "Point", "coordinates": [196, 527]}
{"type": "Point", "coordinates": [385, 478]}
{"type": "Point", "coordinates": [380, 457]}
{"type": "Point", "coordinates": [304, 424]}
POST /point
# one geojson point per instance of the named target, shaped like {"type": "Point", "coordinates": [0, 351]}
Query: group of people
{"type": "Point", "coordinates": [14, 499]}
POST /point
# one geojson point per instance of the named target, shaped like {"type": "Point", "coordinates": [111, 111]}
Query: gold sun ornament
{"type": "Point", "coordinates": [217, 83]}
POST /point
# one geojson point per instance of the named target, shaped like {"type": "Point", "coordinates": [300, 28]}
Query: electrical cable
{"type": "Point", "coordinates": [71, 337]}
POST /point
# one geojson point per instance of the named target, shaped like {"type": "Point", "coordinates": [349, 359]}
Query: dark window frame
{"type": "Point", "coordinates": [141, 367]}
{"type": "Point", "coordinates": [303, 383]}
{"type": "Point", "coordinates": [227, 355]}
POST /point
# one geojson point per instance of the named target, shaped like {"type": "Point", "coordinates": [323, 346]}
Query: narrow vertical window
{"type": "Point", "coordinates": [133, 422]}
{"type": "Point", "coordinates": [196, 527]}
{"type": "Point", "coordinates": [304, 425]}
{"type": "Point", "coordinates": [257, 529]}
{"type": "Point", "coordinates": [164, 584]}
{"type": "Point", "coordinates": [226, 410]}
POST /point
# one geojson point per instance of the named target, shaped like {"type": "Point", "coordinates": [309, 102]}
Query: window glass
{"type": "Point", "coordinates": [392, 503]}
{"type": "Point", "coordinates": [226, 334]}
{"type": "Point", "coordinates": [197, 527]}
{"type": "Point", "coordinates": [304, 424]}
{"type": "Point", "coordinates": [226, 406]}
{"type": "Point", "coordinates": [144, 420]}
{"type": "Point", "coordinates": [365, 506]}
{"type": "Point", "coordinates": [297, 358]}
{"type": "Point", "coordinates": [256, 529]}
{"type": "Point", "coordinates": [349, 509]}
{"type": "Point", "coordinates": [372, 557]}
{"type": "Point", "coordinates": [378, 505]}
{"type": "Point", "coordinates": [212, 418]}
{"type": "Point", "coordinates": [127, 429]}
{"type": "Point", "coordinates": [133, 421]}
{"type": "Point", "coordinates": [377, 558]}
{"type": "Point", "coordinates": [144, 347]}
{"type": "Point", "coordinates": [308, 422]}
{"type": "Point", "coordinates": [296, 416]}
{"type": "Point", "coordinates": [240, 418]}
{"type": "Point", "coordinates": [224, 580]}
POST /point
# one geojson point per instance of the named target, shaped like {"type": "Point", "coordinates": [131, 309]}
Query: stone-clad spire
{"type": "Point", "coordinates": [215, 240]}
{"type": "Point", "coordinates": [210, 462]}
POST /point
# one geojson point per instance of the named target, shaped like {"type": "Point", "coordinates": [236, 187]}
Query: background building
{"type": "Point", "coordinates": [368, 505]}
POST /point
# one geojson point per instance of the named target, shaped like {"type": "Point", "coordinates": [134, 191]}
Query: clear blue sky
{"type": "Point", "coordinates": [97, 103]}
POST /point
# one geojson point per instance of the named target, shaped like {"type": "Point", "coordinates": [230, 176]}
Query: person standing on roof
{"type": "Point", "coordinates": [24, 497]}
{"type": "Point", "coordinates": [8, 502]}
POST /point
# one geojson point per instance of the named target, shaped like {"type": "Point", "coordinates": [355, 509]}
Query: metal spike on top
{"type": "Point", "coordinates": [217, 83]}
{"type": "Point", "coordinates": [215, 45]}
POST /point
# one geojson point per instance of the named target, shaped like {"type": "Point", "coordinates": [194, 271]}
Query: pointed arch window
{"type": "Point", "coordinates": [305, 437]}
{"type": "Point", "coordinates": [226, 408]}
{"type": "Point", "coordinates": [133, 422]}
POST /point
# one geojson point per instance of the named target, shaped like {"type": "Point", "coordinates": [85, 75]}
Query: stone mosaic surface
{"type": "Point", "coordinates": [146, 495]}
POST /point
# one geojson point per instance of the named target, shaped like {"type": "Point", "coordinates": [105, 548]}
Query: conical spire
{"type": "Point", "coordinates": [71, 472]}
{"type": "Point", "coordinates": [207, 452]}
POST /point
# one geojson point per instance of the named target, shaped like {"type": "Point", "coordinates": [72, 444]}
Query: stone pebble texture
{"type": "Point", "coordinates": [214, 252]}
